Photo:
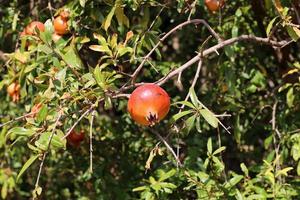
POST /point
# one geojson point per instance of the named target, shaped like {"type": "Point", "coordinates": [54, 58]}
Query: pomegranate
{"type": "Point", "coordinates": [30, 28]}
{"type": "Point", "coordinates": [75, 138]}
{"type": "Point", "coordinates": [13, 91]}
{"type": "Point", "coordinates": [61, 23]}
{"type": "Point", "coordinates": [214, 5]}
{"type": "Point", "coordinates": [148, 104]}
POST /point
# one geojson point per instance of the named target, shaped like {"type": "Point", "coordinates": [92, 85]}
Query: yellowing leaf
{"type": "Point", "coordinates": [297, 31]}
{"type": "Point", "coordinates": [20, 57]}
{"type": "Point", "coordinates": [278, 5]}
{"type": "Point", "coordinates": [121, 17]}
{"type": "Point", "coordinates": [107, 21]}
{"type": "Point", "coordinates": [101, 48]}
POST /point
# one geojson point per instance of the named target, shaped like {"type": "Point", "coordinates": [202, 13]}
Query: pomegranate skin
{"type": "Point", "coordinates": [30, 29]}
{"type": "Point", "coordinates": [13, 90]}
{"type": "Point", "coordinates": [60, 25]}
{"type": "Point", "coordinates": [75, 138]}
{"type": "Point", "coordinates": [214, 5]}
{"type": "Point", "coordinates": [148, 104]}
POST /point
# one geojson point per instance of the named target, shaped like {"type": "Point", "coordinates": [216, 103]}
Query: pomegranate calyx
{"type": "Point", "coordinates": [152, 118]}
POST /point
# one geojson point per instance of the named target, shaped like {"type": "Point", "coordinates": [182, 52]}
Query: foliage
{"type": "Point", "coordinates": [233, 125]}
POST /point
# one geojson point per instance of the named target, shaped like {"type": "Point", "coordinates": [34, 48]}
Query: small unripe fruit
{"type": "Point", "coordinates": [148, 104]}
{"type": "Point", "coordinates": [30, 28]}
{"type": "Point", "coordinates": [214, 5]}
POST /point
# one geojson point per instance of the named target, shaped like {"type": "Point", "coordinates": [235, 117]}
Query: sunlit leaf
{"type": "Point", "coordinates": [209, 117]}
{"type": "Point", "coordinates": [27, 164]}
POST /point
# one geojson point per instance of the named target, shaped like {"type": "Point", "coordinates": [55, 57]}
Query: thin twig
{"type": "Point", "coordinates": [275, 131]}
{"type": "Point", "coordinates": [48, 146]}
{"type": "Point", "coordinates": [193, 83]}
{"type": "Point", "coordinates": [91, 141]}
{"type": "Point", "coordinates": [18, 118]}
{"type": "Point", "coordinates": [169, 148]}
{"type": "Point", "coordinates": [80, 118]}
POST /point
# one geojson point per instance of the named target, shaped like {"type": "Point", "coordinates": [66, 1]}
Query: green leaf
{"type": "Point", "coordinates": [283, 171]}
{"type": "Point", "coordinates": [107, 103]}
{"type": "Point", "coordinates": [56, 142]}
{"type": "Point", "coordinates": [42, 114]}
{"type": "Point", "coordinates": [198, 124]}
{"type": "Point", "coordinates": [123, 50]}
{"type": "Point", "coordinates": [190, 122]}
{"type": "Point", "coordinates": [72, 58]}
{"type": "Point", "coordinates": [290, 97]}
{"type": "Point", "coordinates": [233, 181]}
{"type": "Point", "coordinates": [45, 49]}
{"type": "Point", "coordinates": [218, 164]}
{"type": "Point", "coordinates": [293, 33]}
{"type": "Point", "coordinates": [100, 39]}
{"type": "Point", "coordinates": [20, 131]}
{"type": "Point", "coordinates": [193, 96]}
{"type": "Point", "coordinates": [99, 77]}
{"type": "Point", "coordinates": [167, 175]}
{"type": "Point", "coordinates": [4, 190]}
{"type": "Point", "coordinates": [101, 48]}
{"type": "Point", "coordinates": [219, 150]}
{"type": "Point", "coordinates": [209, 146]}
{"type": "Point", "coordinates": [298, 169]}
{"type": "Point", "coordinates": [244, 169]}
{"type": "Point", "coordinates": [270, 25]}
{"type": "Point", "coordinates": [141, 188]}
{"type": "Point", "coordinates": [181, 114]}
{"type": "Point", "coordinates": [26, 165]}
{"type": "Point", "coordinates": [209, 117]}
{"type": "Point", "coordinates": [186, 103]}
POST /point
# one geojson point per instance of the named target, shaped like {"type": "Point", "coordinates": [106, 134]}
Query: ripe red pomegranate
{"type": "Point", "coordinates": [148, 104]}
{"type": "Point", "coordinates": [75, 138]}
{"type": "Point", "coordinates": [214, 5]}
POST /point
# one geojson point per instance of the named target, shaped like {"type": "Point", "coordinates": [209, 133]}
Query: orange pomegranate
{"type": "Point", "coordinates": [30, 28]}
{"type": "Point", "coordinates": [13, 91]}
{"type": "Point", "coordinates": [148, 104]}
{"type": "Point", "coordinates": [214, 5]}
{"type": "Point", "coordinates": [75, 138]}
{"type": "Point", "coordinates": [61, 23]}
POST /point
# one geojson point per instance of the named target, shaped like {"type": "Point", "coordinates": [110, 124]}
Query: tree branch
{"type": "Point", "coordinates": [221, 45]}
{"type": "Point", "coordinates": [194, 21]}
{"type": "Point", "coordinates": [45, 153]}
